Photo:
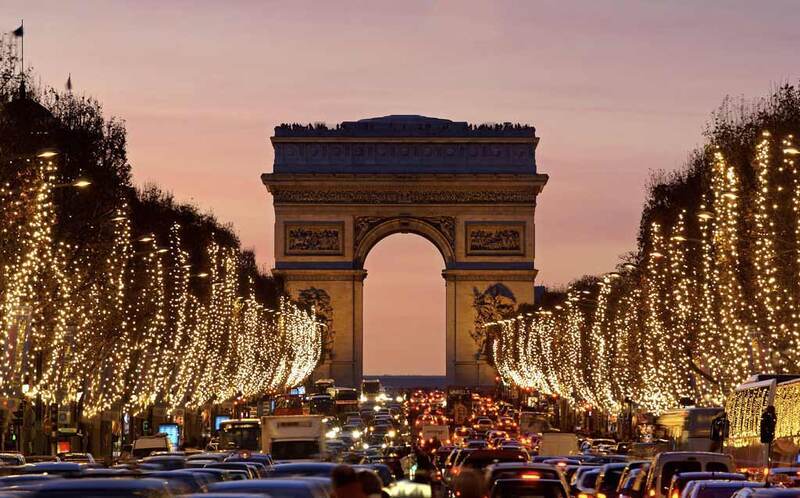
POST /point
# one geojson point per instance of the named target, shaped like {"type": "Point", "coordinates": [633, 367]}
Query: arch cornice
{"type": "Point", "coordinates": [369, 230]}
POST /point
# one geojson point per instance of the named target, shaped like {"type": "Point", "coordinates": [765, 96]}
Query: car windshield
{"type": "Point", "coordinates": [611, 478]}
{"type": "Point", "coordinates": [718, 491]}
{"type": "Point", "coordinates": [672, 468]}
{"type": "Point", "coordinates": [520, 490]}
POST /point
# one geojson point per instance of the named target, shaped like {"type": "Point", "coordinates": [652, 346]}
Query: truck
{"type": "Point", "coordinates": [744, 408]}
{"type": "Point", "coordinates": [558, 444]}
{"type": "Point", "coordinates": [293, 437]}
{"type": "Point", "coordinates": [439, 432]}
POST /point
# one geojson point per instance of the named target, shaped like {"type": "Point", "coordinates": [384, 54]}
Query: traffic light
{"type": "Point", "coordinates": [768, 422]}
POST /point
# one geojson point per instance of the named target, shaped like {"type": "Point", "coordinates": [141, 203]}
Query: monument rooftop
{"type": "Point", "coordinates": [405, 144]}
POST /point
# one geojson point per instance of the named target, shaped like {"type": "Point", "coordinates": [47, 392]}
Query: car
{"type": "Point", "coordinates": [275, 488]}
{"type": "Point", "coordinates": [669, 463]}
{"type": "Point", "coordinates": [630, 485]}
{"type": "Point", "coordinates": [476, 444]}
{"type": "Point", "coordinates": [583, 485]}
{"type": "Point", "coordinates": [25, 479]}
{"type": "Point", "coordinates": [262, 458]}
{"type": "Point", "coordinates": [212, 475]}
{"type": "Point", "coordinates": [480, 459]}
{"type": "Point", "coordinates": [183, 481]}
{"type": "Point", "coordinates": [217, 456]}
{"type": "Point", "coordinates": [12, 459]}
{"type": "Point", "coordinates": [767, 493]}
{"type": "Point", "coordinates": [680, 480]}
{"type": "Point", "coordinates": [720, 489]}
{"type": "Point", "coordinates": [524, 471]}
{"type": "Point", "coordinates": [41, 458]}
{"type": "Point", "coordinates": [247, 468]}
{"type": "Point", "coordinates": [165, 462]}
{"type": "Point", "coordinates": [540, 488]}
{"type": "Point", "coordinates": [321, 469]}
{"type": "Point", "coordinates": [53, 468]}
{"type": "Point", "coordinates": [608, 479]}
{"type": "Point", "coordinates": [786, 476]}
{"type": "Point", "coordinates": [76, 457]}
{"type": "Point", "coordinates": [102, 488]}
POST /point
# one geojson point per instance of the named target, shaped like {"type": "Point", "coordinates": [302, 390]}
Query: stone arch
{"type": "Point", "coordinates": [440, 231]}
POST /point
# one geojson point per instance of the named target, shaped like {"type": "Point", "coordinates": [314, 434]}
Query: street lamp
{"type": "Point", "coordinates": [79, 183]}
{"type": "Point", "coordinates": [705, 215]}
{"type": "Point", "coordinates": [47, 153]}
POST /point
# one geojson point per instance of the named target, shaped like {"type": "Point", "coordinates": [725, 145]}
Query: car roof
{"type": "Point", "coordinates": [102, 483]}
{"type": "Point", "coordinates": [528, 482]}
{"type": "Point", "coordinates": [261, 484]}
{"type": "Point", "coordinates": [521, 465]}
{"type": "Point", "coordinates": [728, 484]}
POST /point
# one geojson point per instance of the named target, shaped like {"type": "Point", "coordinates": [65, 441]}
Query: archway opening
{"type": "Point", "coordinates": [404, 308]}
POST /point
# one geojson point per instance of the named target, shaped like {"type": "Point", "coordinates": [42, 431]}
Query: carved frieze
{"type": "Point", "coordinates": [314, 238]}
{"type": "Point", "coordinates": [495, 238]}
{"type": "Point", "coordinates": [404, 196]}
{"type": "Point", "coordinates": [446, 225]}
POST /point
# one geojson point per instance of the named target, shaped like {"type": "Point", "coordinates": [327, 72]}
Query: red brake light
{"type": "Point", "coordinates": [531, 476]}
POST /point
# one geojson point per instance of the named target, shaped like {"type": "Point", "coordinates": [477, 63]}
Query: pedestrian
{"type": "Point", "coordinates": [346, 483]}
{"type": "Point", "coordinates": [371, 484]}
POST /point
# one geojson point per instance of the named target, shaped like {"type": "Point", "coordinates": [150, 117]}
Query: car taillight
{"type": "Point", "coordinates": [531, 476]}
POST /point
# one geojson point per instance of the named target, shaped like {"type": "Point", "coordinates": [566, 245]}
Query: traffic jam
{"type": "Point", "coordinates": [374, 441]}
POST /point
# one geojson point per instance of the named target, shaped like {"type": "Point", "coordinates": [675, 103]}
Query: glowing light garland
{"type": "Point", "coordinates": [695, 317]}
{"type": "Point", "coordinates": [142, 335]}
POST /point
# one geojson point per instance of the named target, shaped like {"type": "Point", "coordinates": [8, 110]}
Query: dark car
{"type": "Point", "coordinates": [102, 488]}
{"type": "Point", "coordinates": [25, 479]}
{"type": "Point", "coordinates": [540, 488]}
{"type": "Point", "coordinates": [480, 459]}
{"type": "Point", "coordinates": [608, 479]}
{"type": "Point", "coordinates": [584, 482]}
{"type": "Point", "coordinates": [275, 488]}
{"type": "Point", "coordinates": [261, 458]}
{"type": "Point", "coordinates": [319, 469]}
{"type": "Point", "coordinates": [631, 484]}
{"type": "Point", "coordinates": [166, 462]}
{"type": "Point", "coordinates": [680, 480]}
{"type": "Point", "coordinates": [181, 481]}
{"type": "Point", "coordinates": [242, 466]}
{"type": "Point", "coordinates": [524, 471]}
{"type": "Point", "coordinates": [53, 468]}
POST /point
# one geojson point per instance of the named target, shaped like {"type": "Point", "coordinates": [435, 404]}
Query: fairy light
{"type": "Point", "coordinates": [711, 300]}
{"type": "Point", "coordinates": [141, 336]}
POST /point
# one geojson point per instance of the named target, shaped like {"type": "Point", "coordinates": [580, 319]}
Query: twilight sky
{"type": "Point", "coordinates": [614, 88]}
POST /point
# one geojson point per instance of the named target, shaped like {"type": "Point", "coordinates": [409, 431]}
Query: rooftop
{"type": "Point", "coordinates": [406, 125]}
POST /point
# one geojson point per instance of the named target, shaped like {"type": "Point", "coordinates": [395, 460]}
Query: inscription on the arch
{"type": "Point", "coordinates": [495, 239]}
{"type": "Point", "coordinates": [313, 239]}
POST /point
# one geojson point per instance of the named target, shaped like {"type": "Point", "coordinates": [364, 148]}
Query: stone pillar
{"type": "Point", "coordinates": [344, 289]}
{"type": "Point", "coordinates": [503, 287]}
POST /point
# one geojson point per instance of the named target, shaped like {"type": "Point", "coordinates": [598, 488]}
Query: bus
{"type": "Point", "coordinates": [325, 386]}
{"type": "Point", "coordinates": [688, 429]}
{"type": "Point", "coordinates": [371, 390]}
{"type": "Point", "coordinates": [346, 400]}
{"type": "Point", "coordinates": [240, 434]}
{"type": "Point", "coordinates": [744, 408]}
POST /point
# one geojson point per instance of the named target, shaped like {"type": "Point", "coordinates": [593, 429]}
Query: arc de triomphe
{"type": "Point", "coordinates": [470, 190]}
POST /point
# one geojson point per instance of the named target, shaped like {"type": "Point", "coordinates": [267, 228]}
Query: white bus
{"type": "Point", "coordinates": [688, 429]}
